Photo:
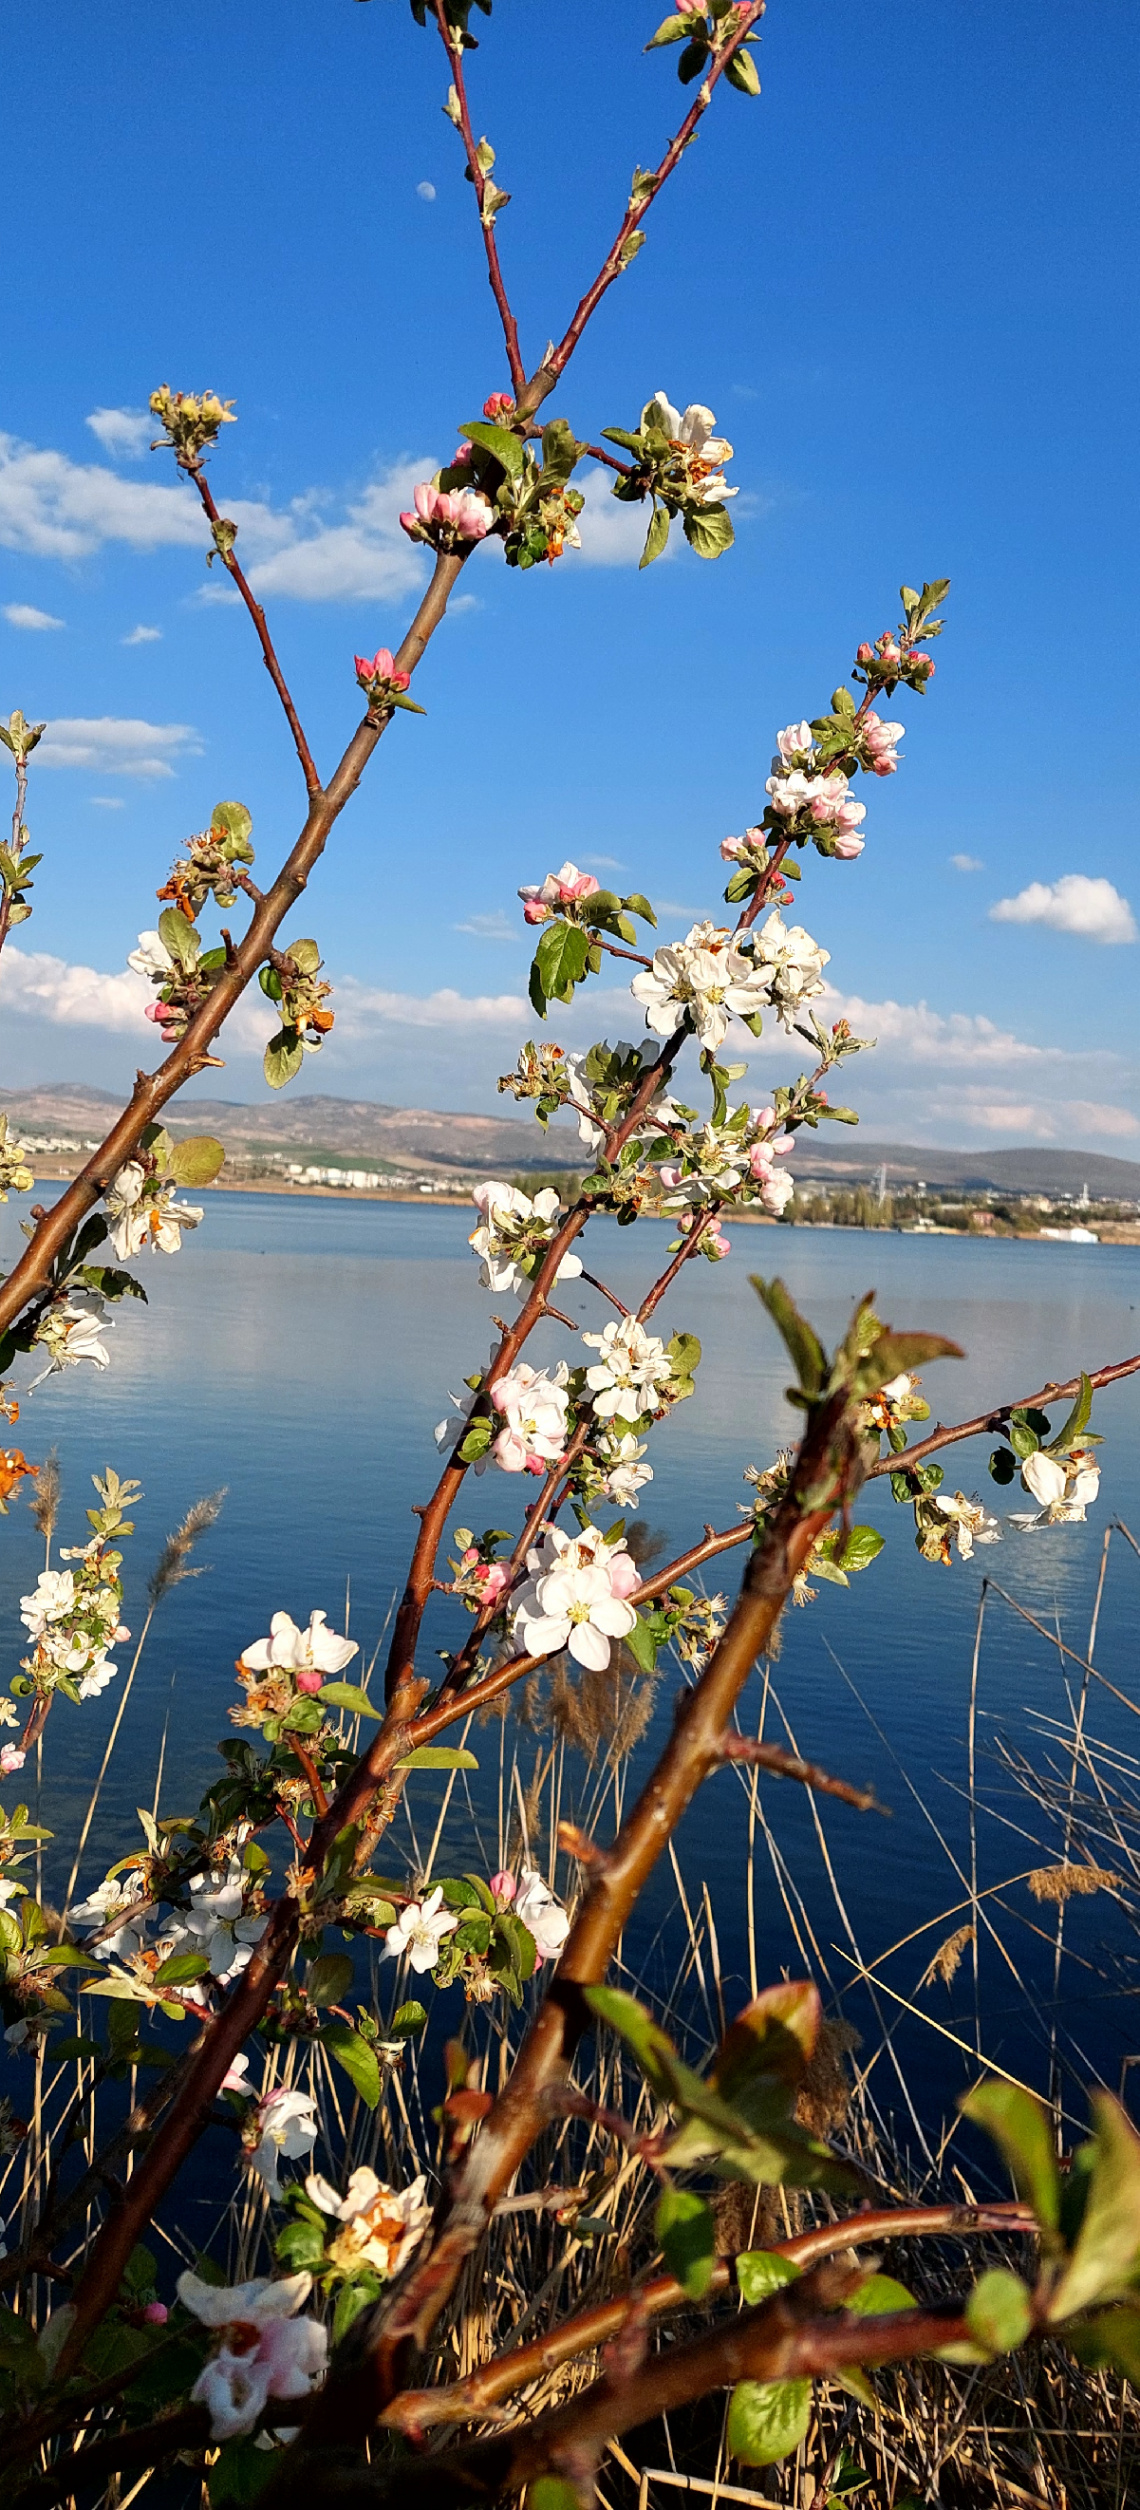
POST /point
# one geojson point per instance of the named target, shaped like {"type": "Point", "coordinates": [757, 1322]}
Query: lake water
{"type": "Point", "coordinates": [300, 1351]}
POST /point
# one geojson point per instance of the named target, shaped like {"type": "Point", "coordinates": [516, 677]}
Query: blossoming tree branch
{"type": "Point", "coordinates": [226, 1947]}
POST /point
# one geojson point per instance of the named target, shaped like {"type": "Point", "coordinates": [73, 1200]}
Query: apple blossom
{"type": "Point", "coordinates": [576, 1597]}
{"type": "Point", "coordinates": [311, 1655]}
{"type": "Point", "coordinates": [383, 2226]}
{"type": "Point", "coordinates": [881, 740]}
{"type": "Point", "coordinates": [284, 2122]}
{"type": "Point", "coordinates": [498, 405]}
{"type": "Point", "coordinates": [626, 1380]}
{"type": "Point", "coordinates": [795, 741]}
{"type": "Point", "coordinates": [624, 1474]}
{"type": "Point", "coordinates": [71, 1330]}
{"type": "Point", "coordinates": [380, 669]}
{"type": "Point", "coordinates": [1063, 1485]}
{"type": "Point", "coordinates": [542, 1913]}
{"type": "Point", "coordinates": [514, 1235]}
{"type": "Point", "coordinates": [419, 1931]}
{"type": "Point", "coordinates": [701, 980]}
{"type": "Point", "coordinates": [152, 958]}
{"type": "Point", "coordinates": [942, 1521]}
{"type": "Point", "coordinates": [533, 1406]}
{"type": "Point", "coordinates": [146, 1216]}
{"type": "Point", "coordinates": [690, 434]}
{"type": "Point", "coordinates": [214, 1923]}
{"type": "Point", "coordinates": [790, 966]}
{"type": "Point", "coordinates": [445, 517]}
{"type": "Point", "coordinates": [11, 1759]}
{"type": "Point", "coordinates": [51, 1599]}
{"type": "Point", "coordinates": [559, 889]}
{"type": "Point", "coordinates": [266, 2350]}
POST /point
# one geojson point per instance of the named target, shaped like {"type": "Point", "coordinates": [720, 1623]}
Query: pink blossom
{"type": "Point", "coordinates": [11, 1759]}
{"type": "Point", "coordinates": [498, 405]}
{"type": "Point", "coordinates": [155, 2314]}
{"type": "Point", "coordinates": [923, 665]}
{"type": "Point", "coordinates": [881, 741]}
{"type": "Point", "coordinates": [454, 513]}
{"type": "Point", "coordinates": [503, 1887]}
{"type": "Point", "coordinates": [864, 652]}
{"type": "Point", "coordinates": [730, 847]}
{"type": "Point", "coordinates": [848, 843]}
{"type": "Point", "coordinates": [492, 1578]}
{"type": "Point", "coordinates": [562, 888]}
{"type": "Point", "coordinates": [381, 667]}
{"type": "Point", "coordinates": [461, 458]}
{"type": "Point", "coordinates": [308, 1680]}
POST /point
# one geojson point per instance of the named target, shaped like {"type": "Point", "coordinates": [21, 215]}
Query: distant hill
{"type": "Point", "coordinates": [446, 1144]}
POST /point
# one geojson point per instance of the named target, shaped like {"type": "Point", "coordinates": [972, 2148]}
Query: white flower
{"type": "Point", "coordinates": [795, 740]}
{"type": "Point", "coordinates": [691, 430]}
{"type": "Point", "coordinates": [634, 1365]}
{"type": "Point", "coordinates": [287, 2123]}
{"type": "Point", "coordinates": [625, 1474]}
{"type": "Point", "coordinates": [266, 2351]}
{"type": "Point", "coordinates": [789, 966]}
{"type": "Point", "coordinates": [52, 1597]}
{"type": "Point", "coordinates": [589, 1129]}
{"type": "Point", "coordinates": [71, 1331]}
{"type": "Point", "coordinates": [576, 1597]}
{"type": "Point", "coordinates": [702, 979]}
{"type": "Point", "coordinates": [214, 1923]}
{"type": "Point", "coordinates": [383, 2226]}
{"type": "Point", "coordinates": [140, 1220]}
{"type": "Point", "coordinates": [101, 1906]}
{"type": "Point", "coordinates": [545, 1916]}
{"type": "Point", "coordinates": [152, 958]}
{"type": "Point", "coordinates": [419, 1931]}
{"type": "Point", "coordinates": [513, 1229]}
{"type": "Point", "coordinates": [1064, 1485]}
{"type": "Point", "coordinates": [99, 1673]}
{"type": "Point", "coordinates": [968, 1523]}
{"type": "Point", "coordinates": [533, 1406]}
{"type": "Point", "coordinates": [290, 1650]}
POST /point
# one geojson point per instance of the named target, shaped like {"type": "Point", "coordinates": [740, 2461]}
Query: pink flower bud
{"type": "Point", "coordinates": [503, 1886]}
{"type": "Point", "coordinates": [865, 653]}
{"type": "Point", "coordinates": [534, 912]}
{"type": "Point", "coordinates": [847, 844]}
{"type": "Point", "coordinates": [426, 500]}
{"type": "Point", "coordinates": [492, 1578]}
{"type": "Point", "coordinates": [155, 2314]}
{"type": "Point", "coordinates": [309, 1680]}
{"type": "Point", "coordinates": [461, 458]}
{"type": "Point", "coordinates": [730, 847]}
{"type": "Point", "coordinates": [410, 523]}
{"type": "Point", "coordinates": [498, 405]}
{"type": "Point", "coordinates": [11, 1759]}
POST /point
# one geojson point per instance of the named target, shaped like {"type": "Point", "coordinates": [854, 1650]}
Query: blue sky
{"type": "Point", "coordinates": [904, 280]}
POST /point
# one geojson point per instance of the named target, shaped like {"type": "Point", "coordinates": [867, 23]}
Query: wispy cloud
{"type": "Point", "coordinates": [603, 862]}
{"type": "Point", "coordinates": [142, 636]}
{"type": "Point", "coordinates": [493, 927]}
{"type": "Point", "coordinates": [124, 434]}
{"type": "Point", "coordinates": [23, 614]}
{"type": "Point", "coordinates": [967, 863]}
{"type": "Point", "coordinates": [38, 986]}
{"type": "Point", "coordinates": [1073, 904]}
{"type": "Point", "coordinates": [365, 1006]}
{"type": "Point", "coordinates": [117, 745]}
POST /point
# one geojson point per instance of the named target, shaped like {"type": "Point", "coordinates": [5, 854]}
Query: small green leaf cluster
{"type": "Point", "coordinates": [1028, 1432]}
{"type": "Point", "coordinates": [673, 475]}
{"type": "Point", "coordinates": [704, 33]}
{"type": "Point", "coordinates": [536, 507]}
{"type": "Point", "coordinates": [568, 951]}
{"type": "Point", "coordinates": [739, 2122]}
{"type": "Point", "coordinates": [895, 658]}
{"type": "Point", "coordinates": [292, 981]}
{"type": "Point", "coordinates": [207, 867]}
{"type": "Point", "coordinates": [490, 1948]}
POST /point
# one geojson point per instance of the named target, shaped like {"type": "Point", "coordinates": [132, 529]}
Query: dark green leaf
{"type": "Point", "coordinates": [686, 2231]}
{"type": "Point", "coordinates": [805, 1350]}
{"type": "Point", "coordinates": [358, 2059]}
{"type": "Point", "coordinates": [507, 448]}
{"type": "Point", "coordinates": [329, 1979]}
{"type": "Point", "coordinates": [562, 958]}
{"type": "Point", "coordinates": [1022, 2130]}
{"type": "Point", "coordinates": [767, 2419]}
{"type": "Point", "coordinates": [657, 535]}
{"type": "Point", "coordinates": [708, 530]}
{"type": "Point", "coordinates": [1107, 2250]}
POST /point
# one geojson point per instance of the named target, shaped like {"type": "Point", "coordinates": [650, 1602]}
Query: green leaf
{"type": "Point", "coordinates": [742, 72]}
{"type": "Point", "coordinates": [805, 1349]}
{"type": "Point", "coordinates": [692, 61]}
{"type": "Point", "coordinates": [358, 2059]}
{"type": "Point", "coordinates": [552, 2492]}
{"type": "Point", "coordinates": [408, 2018]}
{"type": "Point", "coordinates": [760, 2273]}
{"type": "Point", "coordinates": [854, 1550]}
{"type": "Point", "coordinates": [1110, 2341]}
{"type": "Point", "coordinates": [640, 906]}
{"type": "Point", "coordinates": [1078, 1419]}
{"type": "Point", "coordinates": [196, 1160]}
{"type": "Point", "coordinates": [436, 1756]}
{"type": "Point", "coordinates": [329, 1978]}
{"type": "Point", "coordinates": [177, 933]}
{"type": "Point", "coordinates": [642, 1645]}
{"type": "Point", "coordinates": [560, 450]}
{"type": "Point", "coordinates": [507, 448]}
{"type": "Point", "coordinates": [562, 958]}
{"type": "Point", "coordinates": [708, 530]}
{"type": "Point", "coordinates": [1107, 2249]}
{"type": "Point", "coordinates": [686, 2231]}
{"type": "Point", "coordinates": [879, 2297]}
{"type": "Point", "coordinates": [240, 2472]}
{"type": "Point", "coordinates": [1020, 2126]}
{"type": "Point", "coordinates": [657, 536]}
{"type": "Point", "coordinates": [231, 819]}
{"type": "Point", "coordinates": [477, 1441]}
{"type": "Point", "coordinates": [672, 30]}
{"type": "Point", "coordinates": [284, 1056]}
{"type": "Point", "coordinates": [999, 2312]}
{"type": "Point", "coordinates": [767, 2419]}
{"type": "Point", "coordinates": [299, 2246]}
{"type": "Point", "coordinates": [347, 1695]}
{"type": "Point", "coordinates": [895, 1353]}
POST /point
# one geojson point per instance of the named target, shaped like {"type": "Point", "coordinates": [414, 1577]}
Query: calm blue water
{"type": "Point", "coordinates": [300, 1351]}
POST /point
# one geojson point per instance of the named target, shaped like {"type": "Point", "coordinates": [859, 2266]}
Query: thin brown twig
{"type": "Point", "coordinates": [454, 51]}
{"type": "Point", "coordinates": [993, 1419]}
{"type": "Point", "coordinates": [257, 614]}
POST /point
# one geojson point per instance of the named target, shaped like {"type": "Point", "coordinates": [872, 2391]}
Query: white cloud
{"type": "Point", "coordinates": [142, 636]}
{"type": "Point", "coordinates": [603, 862]}
{"type": "Point", "coordinates": [613, 534]}
{"type": "Point", "coordinates": [107, 802]}
{"type": "Point", "coordinates": [117, 745]}
{"type": "Point", "coordinates": [1073, 904]}
{"type": "Point", "coordinates": [55, 508]}
{"type": "Point", "coordinates": [362, 1006]}
{"type": "Point", "coordinates": [365, 558]}
{"type": "Point", "coordinates": [124, 434]}
{"type": "Point", "coordinates": [40, 987]}
{"type": "Point", "coordinates": [425, 191]}
{"type": "Point", "coordinates": [493, 927]}
{"type": "Point", "coordinates": [23, 614]}
{"type": "Point", "coordinates": [967, 863]}
{"type": "Point", "coordinates": [1089, 1116]}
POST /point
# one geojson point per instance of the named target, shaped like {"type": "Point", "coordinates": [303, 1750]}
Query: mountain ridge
{"type": "Point", "coordinates": [444, 1142]}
